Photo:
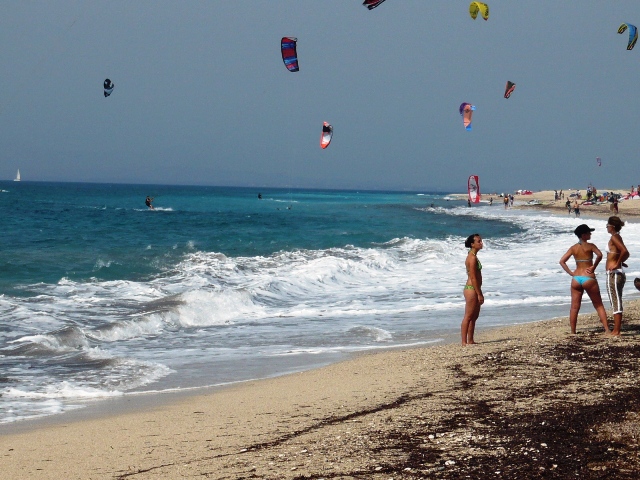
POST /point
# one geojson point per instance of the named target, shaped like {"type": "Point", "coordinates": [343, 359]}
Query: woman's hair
{"type": "Point", "coordinates": [470, 239]}
{"type": "Point", "coordinates": [616, 222]}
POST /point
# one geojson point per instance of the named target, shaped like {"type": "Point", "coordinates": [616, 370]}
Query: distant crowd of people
{"type": "Point", "coordinates": [573, 202]}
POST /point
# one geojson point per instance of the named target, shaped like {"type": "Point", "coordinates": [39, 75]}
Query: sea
{"type": "Point", "coordinates": [101, 297]}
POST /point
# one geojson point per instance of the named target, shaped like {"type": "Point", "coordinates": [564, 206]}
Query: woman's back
{"type": "Point", "coordinates": [583, 255]}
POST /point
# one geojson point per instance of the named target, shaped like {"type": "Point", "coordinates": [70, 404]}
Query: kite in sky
{"type": "Point", "coordinates": [371, 4]}
{"type": "Point", "coordinates": [599, 161]}
{"type": "Point", "coordinates": [108, 87]}
{"type": "Point", "coordinates": [289, 53]}
{"type": "Point", "coordinates": [633, 34]}
{"type": "Point", "coordinates": [327, 133]}
{"type": "Point", "coordinates": [466, 110]}
{"type": "Point", "coordinates": [508, 90]}
{"type": "Point", "coordinates": [475, 7]}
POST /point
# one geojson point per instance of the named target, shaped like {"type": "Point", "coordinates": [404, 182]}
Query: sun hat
{"type": "Point", "coordinates": [582, 229]}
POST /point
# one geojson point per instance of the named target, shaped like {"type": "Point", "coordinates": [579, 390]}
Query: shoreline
{"type": "Point", "coordinates": [628, 210]}
{"type": "Point", "coordinates": [136, 402]}
{"type": "Point", "coordinates": [527, 399]}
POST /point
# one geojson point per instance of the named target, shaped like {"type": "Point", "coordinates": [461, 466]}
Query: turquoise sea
{"type": "Point", "coordinates": [101, 296]}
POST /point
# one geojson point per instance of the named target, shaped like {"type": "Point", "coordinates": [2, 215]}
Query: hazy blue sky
{"type": "Point", "coordinates": [202, 96]}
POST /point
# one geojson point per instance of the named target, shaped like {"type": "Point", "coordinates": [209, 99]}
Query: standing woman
{"type": "Point", "coordinates": [472, 290]}
{"type": "Point", "coordinates": [617, 254]}
{"type": "Point", "coordinates": [584, 278]}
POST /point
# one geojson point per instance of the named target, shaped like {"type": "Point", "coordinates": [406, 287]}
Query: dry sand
{"type": "Point", "coordinates": [627, 209]}
{"type": "Point", "coordinates": [528, 401]}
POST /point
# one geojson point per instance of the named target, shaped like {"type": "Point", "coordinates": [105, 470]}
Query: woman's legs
{"type": "Point", "coordinates": [471, 314]}
{"type": "Point", "coordinates": [576, 300]}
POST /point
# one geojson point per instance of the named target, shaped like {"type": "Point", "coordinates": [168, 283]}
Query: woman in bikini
{"type": "Point", "coordinates": [584, 278]}
{"type": "Point", "coordinates": [616, 278]}
{"type": "Point", "coordinates": [472, 290]}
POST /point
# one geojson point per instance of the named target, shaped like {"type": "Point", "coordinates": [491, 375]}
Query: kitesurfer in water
{"type": "Point", "coordinates": [259, 196]}
{"type": "Point", "coordinates": [583, 278]}
{"type": "Point", "coordinates": [148, 201]}
{"type": "Point", "coordinates": [472, 290]}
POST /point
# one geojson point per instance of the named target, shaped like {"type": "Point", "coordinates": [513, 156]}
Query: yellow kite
{"type": "Point", "coordinates": [476, 7]}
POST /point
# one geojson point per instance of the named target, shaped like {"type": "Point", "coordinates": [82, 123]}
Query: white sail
{"type": "Point", "coordinates": [17, 179]}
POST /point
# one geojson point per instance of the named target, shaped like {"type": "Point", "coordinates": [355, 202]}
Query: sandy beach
{"type": "Point", "coordinates": [545, 200]}
{"type": "Point", "coordinates": [528, 401]}
{"type": "Point", "coordinates": [627, 209]}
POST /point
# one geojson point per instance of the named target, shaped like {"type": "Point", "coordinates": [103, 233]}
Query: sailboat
{"type": "Point", "coordinates": [17, 179]}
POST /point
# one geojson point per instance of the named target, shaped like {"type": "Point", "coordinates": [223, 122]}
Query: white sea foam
{"type": "Point", "coordinates": [102, 264]}
{"type": "Point", "coordinates": [127, 329]}
{"type": "Point", "coordinates": [61, 390]}
{"type": "Point", "coordinates": [377, 334]}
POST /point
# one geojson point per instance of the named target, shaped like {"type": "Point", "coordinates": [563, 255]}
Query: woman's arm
{"type": "Point", "coordinates": [474, 278]}
{"type": "Point", "coordinates": [563, 261]}
{"type": "Point", "coordinates": [598, 253]}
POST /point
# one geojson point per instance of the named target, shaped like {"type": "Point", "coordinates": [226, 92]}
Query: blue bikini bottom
{"type": "Point", "coordinates": [581, 279]}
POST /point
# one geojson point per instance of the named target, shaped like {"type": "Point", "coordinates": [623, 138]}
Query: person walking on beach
{"type": "Point", "coordinates": [472, 290]}
{"type": "Point", "coordinates": [584, 278]}
{"type": "Point", "coordinates": [617, 254]}
{"type": "Point", "coordinates": [576, 208]}
{"type": "Point", "coordinates": [506, 201]}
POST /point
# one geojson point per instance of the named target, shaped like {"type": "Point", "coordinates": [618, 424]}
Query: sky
{"type": "Point", "coordinates": [202, 96]}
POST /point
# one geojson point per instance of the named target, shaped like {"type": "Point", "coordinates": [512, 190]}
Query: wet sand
{"type": "Point", "coordinates": [528, 401]}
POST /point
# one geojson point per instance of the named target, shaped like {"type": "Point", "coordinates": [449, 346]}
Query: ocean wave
{"type": "Point", "coordinates": [63, 390]}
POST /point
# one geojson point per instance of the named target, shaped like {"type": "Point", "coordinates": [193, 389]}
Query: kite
{"type": "Point", "coordinates": [108, 87]}
{"type": "Point", "coordinates": [473, 186]}
{"type": "Point", "coordinates": [327, 133]}
{"type": "Point", "coordinates": [508, 90]}
{"type": "Point", "coordinates": [466, 110]}
{"type": "Point", "coordinates": [633, 34]}
{"type": "Point", "coordinates": [599, 161]}
{"type": "Point", "coordinates": [289, 53]}
{"type": "Point", "coordinates": [371, 4]}
{"type": "Point", "coordinates": [475, 7]}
